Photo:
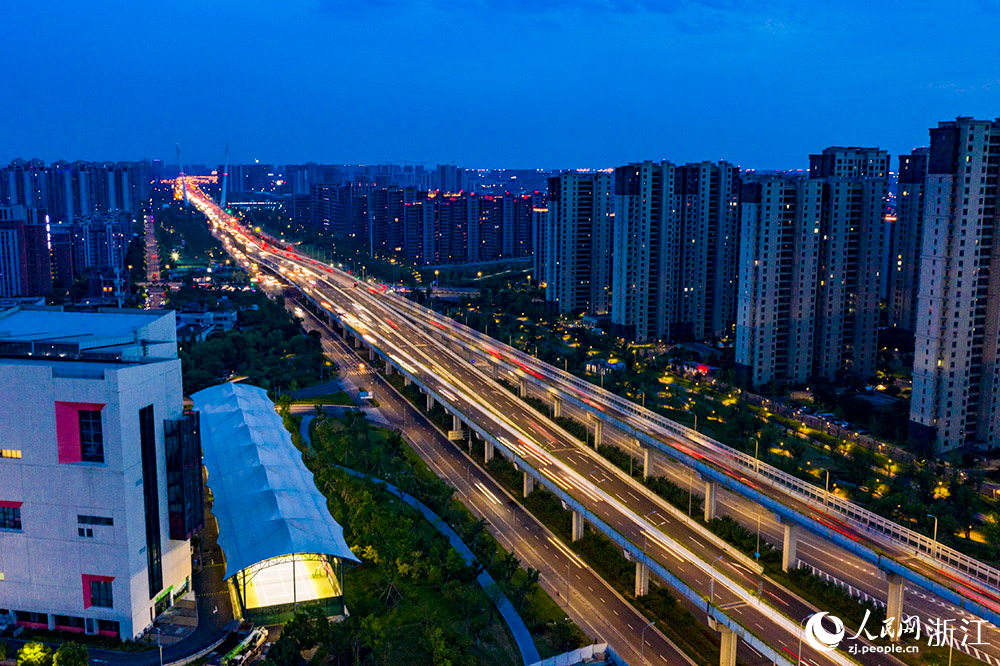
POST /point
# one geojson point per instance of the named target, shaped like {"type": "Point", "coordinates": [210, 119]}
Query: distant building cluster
{"type": "Point", "coordinates": [443, 215]}
{"type": "Point", "coordinates": [68, 221]}
{"type": "Point", "coordinates": [792, 267]}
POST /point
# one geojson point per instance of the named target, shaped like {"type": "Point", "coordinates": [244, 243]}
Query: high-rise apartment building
{"type": "Point", "coordinates": [454, 235]}
{"type": "Point", "coordinates": [855, 190]}
{"type": "Point", "coordinates": [68, 191]}
{"type": "Point", "coordinates": [956, 376]}
{"type": "Point", "coordinates": [449, 178]}
{"type": "Point", "coordinates": [906, 239]}
{"type": "Point", "coordinates": [98, 499]}
{"type": "Point", "coordinates": [676, 245]}
{"type": "Point", "coordinates": [645, 230]}
{"type": "Point", "coordinates": [778, 278]}
{"type": "Point", "coordinates": [386, 219]}
{"type": "Point", "coordinates": [25, 265]}
{"type": "Point", "coordinates": [705, 263]}
{"type": "Point", "coordinates": [810, 262]}
{"type": "Point", "coordinates": [576, 242]}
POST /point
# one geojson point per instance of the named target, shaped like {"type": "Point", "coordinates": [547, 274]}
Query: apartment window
{"type": "Point", "coordinates": [10, 516]}
{"type": "Point", "coordinates": [10, 453]}
{"type": "Point", "coordinates": [91, 436]}
{"type": "Point", "coordinates": [100, 593]}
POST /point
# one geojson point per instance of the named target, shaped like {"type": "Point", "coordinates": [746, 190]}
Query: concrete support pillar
{"type": "Point", "coordinates": [496, 370]}
{"type": "Point", "coordinates": [577, 526]}
{"type": "Point", "coordinates": [730, 641]}
{"type": "Point", "coordinates": [529, 484]}
{"type": "Point", "coordinates": [488, 451]}
{"type": "Point", "coordinates": [388, 368]}
{"type": "Point", "coordinates": [894, 605]}
{"type": "Point", "coordinates": [406, 380]}
{"type": "Point", "coordinates": [641, 579]}
{"type": "Point", "coordinates": [357, 342]}
{"type": "Point", "coordinates": [789, 549]}
{"type": "Point", "coordinates": [430, 402]}
{"type": "Point", "coordinates": [522, 388]}
{"type": "Point", "coordinates": [647, 461]}
{"type": "Point", "coordinates": [371, 354]}
{"type": "Point", "coordinates": [598, 433]}
{"type": "Point", "coordinates": [456, 423]}
{"type": "Point", "coordinates": [709, 500]}
{"type": "Point", "coordinates": [556, 407]}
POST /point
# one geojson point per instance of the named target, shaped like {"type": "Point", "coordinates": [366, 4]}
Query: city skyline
{"type": "Point", "coordinates": [492, 84]}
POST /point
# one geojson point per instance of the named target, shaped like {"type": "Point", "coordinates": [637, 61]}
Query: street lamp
{"type": "Point", "coordinates": [642, 642]}
{"type": "Point", "coordinates": [934, 551]}
{"type": "Point", "coordinates": [798, 656]}
{"type": "Point", "coordinates": [711, 582]}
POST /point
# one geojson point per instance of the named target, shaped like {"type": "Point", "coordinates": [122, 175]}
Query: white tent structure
{"type": "Point", "coordinates": [271, 515]}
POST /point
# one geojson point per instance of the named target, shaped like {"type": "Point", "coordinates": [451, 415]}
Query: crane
{"type": "Point", "coordinates": [180, 166]}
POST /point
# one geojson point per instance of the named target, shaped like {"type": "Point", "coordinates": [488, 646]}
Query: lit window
{"type": "Point", "coordinates": [10, 453]}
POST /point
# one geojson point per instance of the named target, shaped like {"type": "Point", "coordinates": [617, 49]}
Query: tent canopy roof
{"type": "Point", "coordinates": [266, 501]}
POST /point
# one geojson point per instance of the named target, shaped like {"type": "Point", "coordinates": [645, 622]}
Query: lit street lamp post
{"type": "Point", "coordinates": [642, 643]}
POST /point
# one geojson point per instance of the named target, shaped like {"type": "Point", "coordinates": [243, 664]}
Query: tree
{"type": "Point", "coordinates": [34, 654]}
{"type": "Point", "coordinates": [283, 653]}
{"type": "Point", "coordinates": [306, 628]}
{"type": "Point", "coordinates": [71, 654]}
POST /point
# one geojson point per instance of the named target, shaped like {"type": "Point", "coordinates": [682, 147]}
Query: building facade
{"type": "Point", "coordinates": [577, 242]}
{"type": "Point", "coordinates": [956, 378]}
{"type": "Point", "coordinates": [645, 232]}
{"type": "Point", "coordinates": [25, 257]}
{"type": "Point", "coordinates": [778, 279]}
{"type": "Point", "coordinates": [906, 240]}
{"type": "Point", "coordinates": [852, 231]}
{"type": "Point", "coordinates": [99, 488]}
{"type": "Point", "coordinates": [676, 250]}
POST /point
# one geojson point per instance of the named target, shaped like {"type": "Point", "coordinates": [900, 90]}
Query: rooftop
{"type": "Point", "coordinates": [265, 498]}
{"type": "Point", "coordinates": [109, 334]}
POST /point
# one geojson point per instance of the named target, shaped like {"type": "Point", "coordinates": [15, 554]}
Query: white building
{"type": "Point", "coordinates": [91, 411]}
{"type": "Point", "coordinates": [956, 397]}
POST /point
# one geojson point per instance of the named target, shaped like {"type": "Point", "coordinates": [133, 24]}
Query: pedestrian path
{"type": "Point", "coordinates": [525, 644]}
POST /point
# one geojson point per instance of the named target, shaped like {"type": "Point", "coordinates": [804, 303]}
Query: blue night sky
{"type": "Point", "coordinates": [489, 83]}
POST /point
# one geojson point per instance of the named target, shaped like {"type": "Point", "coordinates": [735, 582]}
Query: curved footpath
{"type": "Point", "coordinates": [526, 645]}
{"type": "Point", "coordinates": [529, 653]}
